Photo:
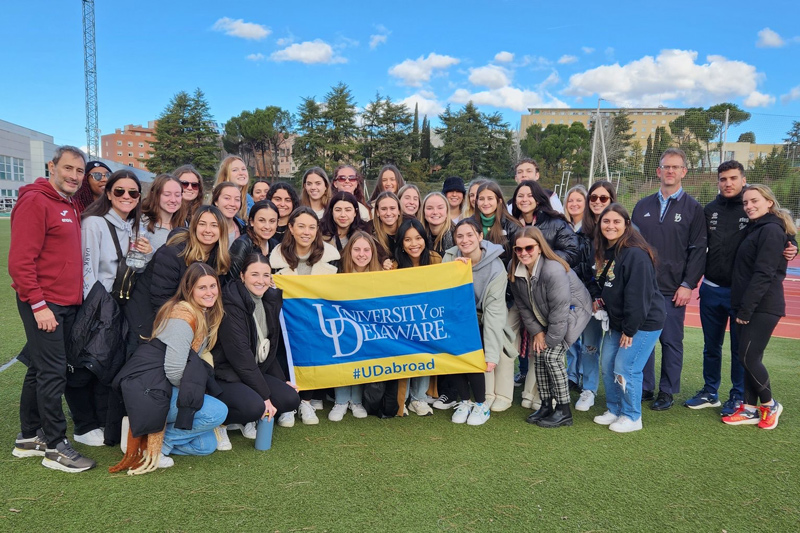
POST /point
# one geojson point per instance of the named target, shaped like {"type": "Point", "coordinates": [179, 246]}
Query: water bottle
{"type": "Point", "coordinates": [135, 259]}
{"type": "Point", "coordinates": [264, 433]}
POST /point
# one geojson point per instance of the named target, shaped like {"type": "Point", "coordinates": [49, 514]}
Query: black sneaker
{"type": "Point", "coordinates": [64, 457]}
{"type": "Point", "coordinates": [443, 402]}
{"type": "Point", "coordinates": [730, 407]}
{"type": "Point", "coordinates": [32, 447]}
{"type": "Point", "coordinates": [519, 379]}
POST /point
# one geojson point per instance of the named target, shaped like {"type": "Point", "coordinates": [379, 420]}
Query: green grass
{"type": "Point", "coordinates": [684, 472]}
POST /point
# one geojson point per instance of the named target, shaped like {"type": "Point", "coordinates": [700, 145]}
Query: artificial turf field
{"type": "Point", "coordinates": [685, 471]}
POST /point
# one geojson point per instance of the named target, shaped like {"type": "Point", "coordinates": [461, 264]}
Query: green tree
{"type": "Point", "coordinates": [650, 162]}
{"type": "Point", "coordinates": [693, 130]}
{"type": "Point", "coordinates": [341, 132]}
{"type": "Point", "coordinates": [792, 141]}
{"type": "Point", "coordinates": [309, 146]}
{"type": "Point", "coordinates": [415, 135]}
{"type": "Point", "coordinates": [621, 137]}
{"type": "Point", "coordinates": [747, 137]}
{"type": "Point", "coordinates": [560, 148]}
{"type": "Point", "coordinates": [186, 133]}
{"type": "Point", "coordinates": [386, 135]}
{"type": "Point", "coordinates": [769, 168]}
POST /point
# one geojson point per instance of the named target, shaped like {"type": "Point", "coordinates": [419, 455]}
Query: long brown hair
{"type": "Point", "coordinates": [258, 206]}
{"type": "Point", "coordinates": [382, 232]}
{"type": "Point", "coordinates": [358, 192]}
{"type": "Point", "coordinates": [223, 174]}
{"type": "Point", "coordinates": [347, 264]}
{"type": "Point", "coordinates": [194, 250]}
{"type": "Point", "coordinates": [204, 320]}
{"type": "Point", "coordinates": [198, 201]}
{"type": "Point", "coordinates": [289, 246]}
{"type": "Point", "coordinates": [150, 205]}
{"type": "Point", "coordinates": [532, 232]}
{"type": "Point", "coordinates": [326, 196]}
{"type": "Point", "coordinates": [630, 238]}
{"type": "Point", "coordinates": [379, 186]}
{"type": "Point", "coordinates": [495, 233]}
{"type": "Point", "coordinates": [589, 224]}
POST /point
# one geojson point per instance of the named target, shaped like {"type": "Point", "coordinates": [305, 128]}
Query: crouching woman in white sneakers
{"type": "Point", "coordinates": [489, 284]}
{"type": "Point", "coordinates": [246, 365]}
{"type": "Point", "coordinates": [554, 307]}
{"type": "Point", "coordinates": [635, 307]}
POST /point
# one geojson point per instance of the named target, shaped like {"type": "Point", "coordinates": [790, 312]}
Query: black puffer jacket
{"type": "Point", "coordinates": [584, 268]}
{"type": "Point", "coordinates": [240, 249]}
{"type": "Point", "coordinates": [234, 353]}
{"type": "Point", "coordinates": [97, 339]}
{"type": "Point", "coordinates": [560, 236]}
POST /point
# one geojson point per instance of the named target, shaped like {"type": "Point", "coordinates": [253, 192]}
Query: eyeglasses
{"type": "Point", "coordinates": [527, 249]}
{"type": "Point", "coordinates": [100, 176]}
{"type": "Point", "coordinates": [190, 184]}
{"type": "Point", "coordinates": [674, 168]}
{"type": "Point", "coordinates": [342, 179]}
{"type": "Point", "coordinates": [119, 192]}
{"type": "Point", "coordinates": [599, 198]}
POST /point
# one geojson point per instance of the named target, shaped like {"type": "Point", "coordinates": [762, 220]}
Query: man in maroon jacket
{"type": "Point", "coordinates": [45, 265]}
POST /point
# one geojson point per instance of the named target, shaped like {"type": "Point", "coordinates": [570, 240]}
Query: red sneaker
{"type": "Point", "coordinates": [770, 415]}
{"type": "Point", "coordinates": [742, 416]}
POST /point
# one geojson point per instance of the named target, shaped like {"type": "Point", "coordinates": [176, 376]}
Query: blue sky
{"type": "Point", "coordinates": [504, 55]}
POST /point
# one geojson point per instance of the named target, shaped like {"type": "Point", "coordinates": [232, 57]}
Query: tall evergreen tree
{"type": "Point", "coordinates": [341, 131]}
{"type": "Point", "coordinates": [309, 146]}
{"type": "Point", "coordinates": [415, 135]}
{"type": "Point", "coordinates": [186, 133]}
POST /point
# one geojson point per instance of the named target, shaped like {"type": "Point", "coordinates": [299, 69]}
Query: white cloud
{"type": "Point", "coordinates": [415, 72]}
{"type": "Point", "coordinates": [240, 28]}
{"type": "Point", "coordinates": [793, 94]}
{"type": "Point", "coordinates": [538, 62]}
{"type": "Point", "coordinates": [768, 38]}
{"type": "Point", "coordinates": [256, 57]}
{"type": "Point", "coordinates": [507, 97]}
{"type": "Point", "coordinates": [490, 76]}
{"type": "Point", "coordinates": [587, 49]}
{"type": "Point", "coordinates": [552, 79]}
{"type": "Point", "coordinates": [309, 52]}
{"type": "Point", "coordinates": [567, 59]}
{"type": "Point", "coordinates": [428, 105]}
{"type": "Point", "coordinates": [376, 40]}
{"type": "Point", "coordinates": [504, 57]}
{"type": "Point", "coordinates": [673, 75]}
{"type": "Point", "coordinates": [757, 99]}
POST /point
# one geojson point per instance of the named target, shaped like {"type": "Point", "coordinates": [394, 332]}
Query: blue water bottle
{"type": "Point", "coordinates": [264, 433]}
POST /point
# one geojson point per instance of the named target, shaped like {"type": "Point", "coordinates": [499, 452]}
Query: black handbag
{"type": "Point", "coordinates": [126, 276]}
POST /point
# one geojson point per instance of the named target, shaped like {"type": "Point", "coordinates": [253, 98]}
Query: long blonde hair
{"type": "Point", "coordinates": [448, 223]}
{"type": "Point", "coordinates": [776, 209]}
{"type": "Point", "coordinates": [194, 251]}
{"type": "Point", "coordinates": [223, 174]}
{"type": "Point", "coordinates": [348, 266]}
{"type": "Point", "coordinates": [204, 320]}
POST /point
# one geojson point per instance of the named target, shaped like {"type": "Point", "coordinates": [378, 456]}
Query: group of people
{"type": "Point", "coordinates": [177, 309]}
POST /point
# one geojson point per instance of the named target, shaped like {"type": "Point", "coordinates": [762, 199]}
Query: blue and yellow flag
{"type": "Point", "coordinates": [349, 329]}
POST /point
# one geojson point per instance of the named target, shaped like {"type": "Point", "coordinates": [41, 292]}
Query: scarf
{"type": "Point", "coordinates": [487, 223]}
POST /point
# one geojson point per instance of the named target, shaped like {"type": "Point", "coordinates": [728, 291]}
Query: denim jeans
{"type": "Point", "coordinates": [590, 356]}
{"type": "Point", "coordinates": [350, 393]}
{"type": "Point", "coordinates": [574, 363]}
{"type": "Point", "coordinates": [200, 440]}
{"type": "Point", "coordinates": [418, 388]}
{"type": "Point", "coordinates": [715, 312]}
{"type": "Point", "coordinates": [624, 397]}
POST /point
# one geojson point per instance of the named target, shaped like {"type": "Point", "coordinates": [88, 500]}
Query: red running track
{"type": "Point", "coordinates": [788, 327]}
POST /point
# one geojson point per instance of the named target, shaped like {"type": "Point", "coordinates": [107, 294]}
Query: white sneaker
{"type": "Point", "coordinates": [338, 412]}
{"type": "Point", "coordinates": [317, 405]}
{"type": "Point", "coordinates": [165, 461]}
{"type": "Point", "coordinates": [499, 404]}
{"type": "Point", "coordinates": [126, 426]}
{"type": "Point", "coordinates": [605, 419]}
{"type": "Point", "coordinates": [625, 425]}
{"type": "Point", "coordinates": [585, 401]}
{"type": "Point", "coordinates": [462, 412]}
{"type": "Point", "coordinates": [527, 404]}
{"type": "Point", "coordinates": [479, 415]}
{"type": "Point", "coordinates": [307, 414]}
{"type": "Point", "coordinates": [249, 431]}
{"type": "Point", "coordinates": [443, 402]}
{"type": "Point", "coordinates": [94, 437]}
{"type": "Point", "coordinates": [420, 407]}
{"type": "Point", "coordinates": [223, 442]}
{"type": "Point", "coordinates": [286, 420]}
{"type": "Point", "coordinates": [358, 410]}
{"type": "Point", "coordinates": [430, 399]}
{"type": "Point", "coordinates": [234, 427]}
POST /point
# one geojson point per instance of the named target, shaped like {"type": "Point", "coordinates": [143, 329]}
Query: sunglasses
{"type": "Point", "coordinates": [599, 197]}
{"type": "Point", "coordinates": [100, 176]}
{"type": "Point", "coordinates": [190, 184]}
{"type": "Point", "coordinates": [119, 192]}
{"type": "Point", "coordinates": [342, 179]}
{"type": "Point", "coordinates": [527, 249]}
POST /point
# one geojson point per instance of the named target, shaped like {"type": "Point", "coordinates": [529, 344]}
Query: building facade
{"type": "Point", "coordinates": [130, 145]}
{"type": "Point", "coordinates": [24, 154]}
{"type": "Point", "coordinates": [644, 120]}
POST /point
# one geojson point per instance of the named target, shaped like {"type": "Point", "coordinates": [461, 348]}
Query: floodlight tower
{"type": "Point", "coordinates": [90, 75]}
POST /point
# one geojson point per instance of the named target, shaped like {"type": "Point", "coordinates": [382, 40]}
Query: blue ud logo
{"type": "Point", "coordinates": [336, 328]}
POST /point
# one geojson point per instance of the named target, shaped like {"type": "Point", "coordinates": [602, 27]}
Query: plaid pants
{"type": "Point", "coordinates": [551, 374]}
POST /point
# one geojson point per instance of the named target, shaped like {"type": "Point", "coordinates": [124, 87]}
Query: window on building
{"type": "Point", "coordinates": [12, 168]}
{"type": "Point", "coordinates": [130, 164]}
{"type": "Point", "coordinates": [119, 154]}
{"type": "Point", "coordinates": [148, 135]}
{"type": "Point", "coordinates": [141, 145]}
{"type": "Point", "coordinates": [138, 133]}
{"type": "Point", "coordinates": [130, 154]}
{"type": "Point", "coordinates": [141, 154]}
{"type": "Point", "coordinates": [130, 143]}
{"type": "Point", "coordinates": [119, 143]}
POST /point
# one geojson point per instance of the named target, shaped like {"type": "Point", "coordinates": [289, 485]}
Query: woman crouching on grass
{"type": "Point", "coordinates": [489, 284]}
{"type": "Point", "coordinates": [168, 371]}
{"type": "Point", "coordinates": [359, 255]}
{"type": "Point", "coordinates": [629, 294]}
{"type": "Point", "coordinates": [246, 364]}
{"type": "Point", "coordinates": [554, 307]}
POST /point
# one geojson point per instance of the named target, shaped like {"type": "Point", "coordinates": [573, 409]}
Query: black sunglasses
{"type": "Point", "coordinates": [119, 192]}
{"type": "Point", "coordinates": [100, 176]}
{"type": "Point", "coordinates": [190, 184]}
{"type": "Point", "coordinates": [527, 249]}
{"type": "Point", "coordinates": [602, 197]}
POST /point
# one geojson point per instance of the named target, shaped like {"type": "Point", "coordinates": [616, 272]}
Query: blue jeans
{"type": "Point", "coordinates": [351, 393]}
{"type": "Point", "coordinates": [590, 354]}
{"type": "Point", "coordinates": [624, 396]}
{"type": "Point", "coordinates": [574, 362]}
{"type": "Point", "coordinates": [418, 388]}
{"type": "Point", "coordinates": [200, 440]}
{"type": "Point", "coordinates": [715, 312]}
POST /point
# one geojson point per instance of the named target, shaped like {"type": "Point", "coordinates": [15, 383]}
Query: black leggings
{"type": "Point", "coordinates": [474, 380]}
{"type": "Point", "coordinates": [753, 339]}
{"type": "Point", "coordinates": [246, 405]}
